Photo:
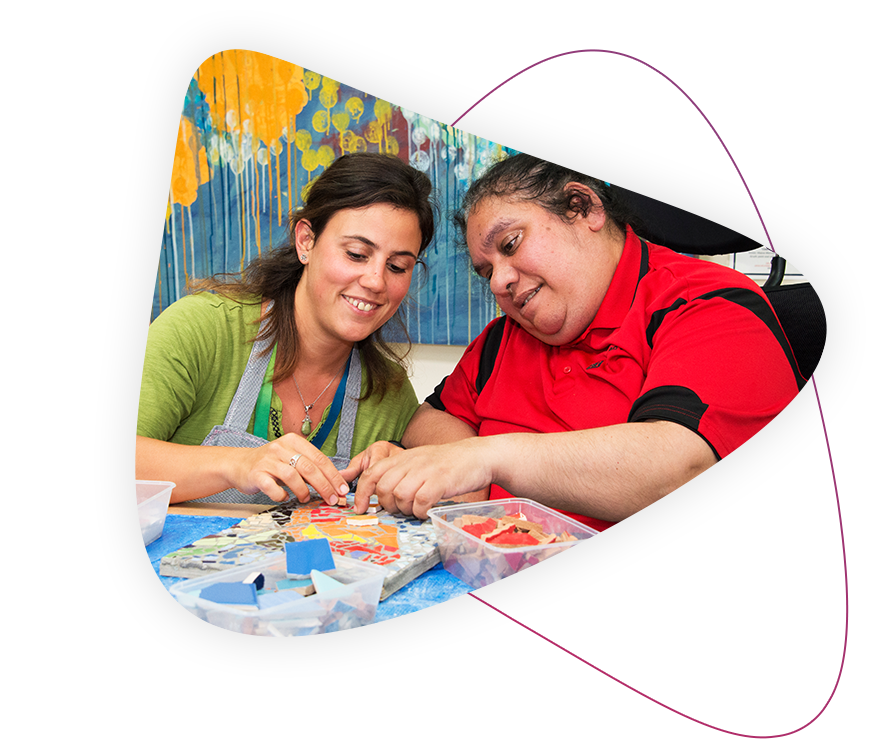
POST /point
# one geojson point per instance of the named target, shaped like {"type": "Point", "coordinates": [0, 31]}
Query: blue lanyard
{"type": "Point", "coordinates": [319, 439]}
{"type": "Point", "coordinates": [263, 405]}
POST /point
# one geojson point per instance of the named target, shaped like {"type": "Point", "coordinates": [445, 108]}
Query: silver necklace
{"type": "Point", "coordinates": [306, 422]}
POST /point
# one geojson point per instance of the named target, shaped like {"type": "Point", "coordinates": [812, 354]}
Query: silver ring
{"type": "Point", "coordinates": [294, 460]}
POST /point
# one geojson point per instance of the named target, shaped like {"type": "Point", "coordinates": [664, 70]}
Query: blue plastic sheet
{"type": "Point", "coordinates": [433, 587]}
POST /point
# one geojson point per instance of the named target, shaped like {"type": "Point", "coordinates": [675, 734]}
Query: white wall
{"type": "Point", "coordinates": [757, 261]}
{"type": "Point", "coordinates": [428, 365]}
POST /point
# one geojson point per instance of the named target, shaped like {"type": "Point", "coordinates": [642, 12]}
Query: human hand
{"type": "Point", "coordinates": [414, 480]}
{"type": "Point", "coordinates": [291, 461]}
{"type": "Point", "coordinates": [365, 459]}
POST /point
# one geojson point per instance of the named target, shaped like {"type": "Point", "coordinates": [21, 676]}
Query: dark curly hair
{"type": "Point", "coordinates": [529, 178]}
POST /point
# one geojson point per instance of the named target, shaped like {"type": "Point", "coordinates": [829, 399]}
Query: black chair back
{"type": "Point", "coordinates": [803, 319]}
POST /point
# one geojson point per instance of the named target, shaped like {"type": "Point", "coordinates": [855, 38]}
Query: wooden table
{"type": "Point", "coordinates": [232, 510]}
{"type": "Point", "coordinates": [243, 510]}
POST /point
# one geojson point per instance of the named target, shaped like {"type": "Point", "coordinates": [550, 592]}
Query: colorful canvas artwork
{"type": "Point", "coordinates": [405, 546]}
{"type": "Point", "coordinates": [254, 133]}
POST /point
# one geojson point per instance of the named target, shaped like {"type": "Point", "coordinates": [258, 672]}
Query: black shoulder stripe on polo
{"type": "Point", "coordinates": [758, 306]}
{"type": "Point", "coordinates": [643, 260]}
{"type": "Point", "coordinates": [671, 403]}
{"type": "Point", "coordinates": [489, 352]}
{"type": "Point", "coordinates": [657, 318]}
{"type": "Point", "coordinates": [747, 299]}
{"type": "Point", "coordinates": [643, 265]}
{"type": "Point", "coordinates": [435, 399]}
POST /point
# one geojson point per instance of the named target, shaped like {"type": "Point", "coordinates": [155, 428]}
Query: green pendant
{"type": "Point", "coordinates": [306, 426]}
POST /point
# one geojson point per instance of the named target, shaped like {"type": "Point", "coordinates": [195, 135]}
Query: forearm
{"type": "Point", "coordinates": [198, 471]}
{"type": "Point", "coordinates": [432, 426]}
{"type": "Point", "coordinates": [608, 473]}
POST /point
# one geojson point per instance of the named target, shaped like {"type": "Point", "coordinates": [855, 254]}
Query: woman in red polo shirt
{"type": "Point", "coordinates": [620, 370]}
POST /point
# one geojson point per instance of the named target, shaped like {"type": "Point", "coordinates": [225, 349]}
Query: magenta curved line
{"type": "Point", "coordinates": [821, 416]}
{"type": "Point", "coordinates": [669, 80]}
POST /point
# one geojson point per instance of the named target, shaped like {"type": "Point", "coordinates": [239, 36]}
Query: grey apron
{"type": "Point", "coordinates": [233, 431]}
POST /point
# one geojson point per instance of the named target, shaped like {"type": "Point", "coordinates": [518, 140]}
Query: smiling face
{"type": "Point", "coordinates": [547, 274]}
{"type": "Point", "coordinates": [357, 271]}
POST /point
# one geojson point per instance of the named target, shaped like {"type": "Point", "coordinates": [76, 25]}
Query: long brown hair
{"type": "Point", "coordinates": [352, 182]}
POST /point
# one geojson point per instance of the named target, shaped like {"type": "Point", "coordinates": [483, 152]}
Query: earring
{"type": "Point", "coordinates": [304, 257]}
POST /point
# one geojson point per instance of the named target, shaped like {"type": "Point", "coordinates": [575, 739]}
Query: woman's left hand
{"type": "Point", "coordinates": [290, 461]}
{"type": "Point", "coordinates": [365, 459]}
{"type": "Point", "coordinates": [414, 480]}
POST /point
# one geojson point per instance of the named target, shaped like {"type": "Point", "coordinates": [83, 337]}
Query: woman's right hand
{"type": "Point", "coordinates": [365, 459]}
{"type": "Point", "coordinates": [291, 461]}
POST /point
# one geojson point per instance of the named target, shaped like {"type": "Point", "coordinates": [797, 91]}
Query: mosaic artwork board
{"type": "Point", "coordinates": [405, 546]}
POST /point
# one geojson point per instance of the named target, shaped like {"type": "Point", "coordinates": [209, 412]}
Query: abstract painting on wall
{"type": "Point", "coordinates": [256, 130]}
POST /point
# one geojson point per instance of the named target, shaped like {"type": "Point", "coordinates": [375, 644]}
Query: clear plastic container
{"type": "Point", "coordinates": [478, 563]}
{"type": "Point", "coordinates": [153, 498]}
{"type": "Point", "coordinates": [312, 615]}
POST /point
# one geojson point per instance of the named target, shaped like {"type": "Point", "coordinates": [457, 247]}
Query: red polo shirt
{"type": "Point", "coordinates": [675, 338]}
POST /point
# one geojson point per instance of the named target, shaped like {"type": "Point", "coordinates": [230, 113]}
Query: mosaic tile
{"type": "Point", "coordinates": [405, 546]}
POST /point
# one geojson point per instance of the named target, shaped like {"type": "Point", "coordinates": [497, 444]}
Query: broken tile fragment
{"type": "Point", "coordinates": [513, 539]}
{"type": "Point", "coordinates": [327, 586]}
{"type": "Point", "coordinates": [303, 586]}
{"type": "Point", "coordinates": [364, 520]}
{"type": "Point", "coordinates": [256, 578]}
{"type": "Point", "coordinates": [499, 532]}
{"type": "Point", "coordinates": [307, 555]}
{"type": "Point", "coordinates": [238, 594]}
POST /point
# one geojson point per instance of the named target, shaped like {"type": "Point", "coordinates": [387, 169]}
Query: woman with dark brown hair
{"type": "Point", "coordinates": [269, 383]}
